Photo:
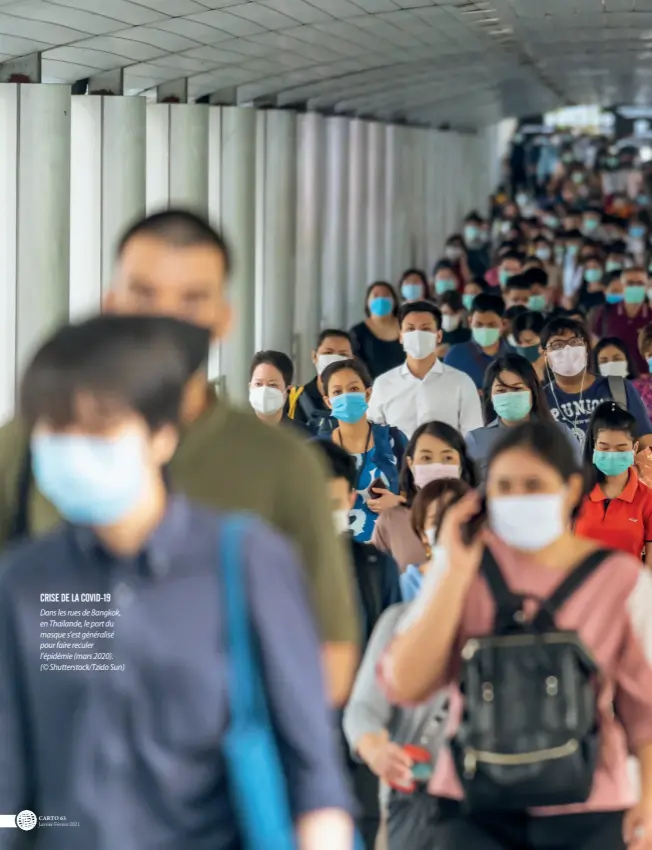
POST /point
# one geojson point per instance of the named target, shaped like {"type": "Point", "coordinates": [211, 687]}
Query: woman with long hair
{"type": "Point", "coordinates": [435, 451]}
{"type": "Point", "coordinates": [376, 340]}
{"type": "Point", "coordinates": [512, 394]}
{"type": "Point", "coordinates": [507, 780]}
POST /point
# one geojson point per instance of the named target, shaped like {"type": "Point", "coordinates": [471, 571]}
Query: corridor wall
{"type": "Point", "coordinates": [315, 208]}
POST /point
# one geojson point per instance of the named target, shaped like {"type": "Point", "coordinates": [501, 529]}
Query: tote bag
{"type": "Point", "coordinates": [254, 768]}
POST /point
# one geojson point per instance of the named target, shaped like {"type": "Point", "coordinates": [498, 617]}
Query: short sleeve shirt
{"type": "Point", "coordinates": [623, 523]}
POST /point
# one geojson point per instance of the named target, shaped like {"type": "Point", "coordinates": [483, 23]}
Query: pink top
{"type": "Point", "coordinates": [644, 387]}
{"type": "Point", "coordinates": [601, 612]}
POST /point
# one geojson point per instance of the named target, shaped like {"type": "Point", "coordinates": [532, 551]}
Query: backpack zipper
{"type": "Point", "coordinates": [474, 644]}
{"type": "Point", "coordinates": [474, 757]}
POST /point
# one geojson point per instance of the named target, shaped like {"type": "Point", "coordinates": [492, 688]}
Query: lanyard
{"type": "Point", "coordinates": [364, 455]}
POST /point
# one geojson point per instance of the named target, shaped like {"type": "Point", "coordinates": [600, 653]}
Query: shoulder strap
{"type": "Point", "coordinates": [19, 527]}
{"type": "Point", "coordinates": [244, 681]}
{"type": "Point", "coordinates": [545, 619]}
{"type": "Point", "coordinates": [508, 604]}
{"type": "Point", "coordinates": [307, 405]}
{"type": "Point", "coordinates": [293, 400]}
{"type": "Point", "coordinates": [618, 390]}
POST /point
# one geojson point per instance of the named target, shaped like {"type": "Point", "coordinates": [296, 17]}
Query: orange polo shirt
{"type": "Point", "coordinates": [623, 523]}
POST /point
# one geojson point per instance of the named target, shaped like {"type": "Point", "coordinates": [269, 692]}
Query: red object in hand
{"type": "Point", "coordinates": [421, 768]}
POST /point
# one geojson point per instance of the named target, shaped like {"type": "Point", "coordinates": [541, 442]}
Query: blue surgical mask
{"type": "Point", "coordinates": [572, 250]}
{"type": "Point", "coordinates": [613, 266]}
{"type": "Point", "coordinates": [649, 363]}
{"type": "Point", "coordinates": [537, 303]}
{"type": "Point", "coordinates": [503, 277]}
{"type": "Point", "coordinates": [613, 463]}
{"type": "Point", "coordinates": [593, 275]}
{"type": "Point", "coordinates": [613, 297]}
{"type": "Point", "coordinates": [446, 284]}
{"type": "Point", "coordinates": [485, 337]}
{"type": "Point", "coordinates": [637, 232]}
{"type": "Point", "coordinates": [412, 291]}
{"type": "Point", "coordinates": [471, 233]}
{"type": "Point", "coordinates": [381, 307]}
{"type": "Point", "coordinates": [635, 294]}
{"type": "Point", "coordinates": [591, 224]}
{"type": "Point", "coordinates": [349, 407]}
{"type": "Point", "coordinates": [90, 480]}
{"type": "Point", "coordinates": [512, 407]}
{"type": "Point", "coordinates": [530, 352]}
{"type": "Point", "coordinates": [467, 299]}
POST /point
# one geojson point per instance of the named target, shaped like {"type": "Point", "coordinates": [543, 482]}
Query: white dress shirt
{"type": "Point", "coordinates": [402, 400]}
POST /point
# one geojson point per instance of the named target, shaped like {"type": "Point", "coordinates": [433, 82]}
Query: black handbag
{"type": "Point", "coordinates": [529, 733]}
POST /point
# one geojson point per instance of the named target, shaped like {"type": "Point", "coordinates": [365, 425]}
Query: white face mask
{"type": "Point", "coordinates": [450, 323]}
{"type": "Point", "coordinates": [430, 537]}
{"type": "Point", "coordinates": [325, 360]}
{"type": "Point", "coordinates": [453, 252]}
{"type": "Point", "coordinates": [419, 344]}
{"type": "Point", "coordinates": [341, 521]}
{"type": "Point", "coordinates": [528, 523]}
{"type": "Point", "coordinates": [568, 361]}
{"type": "Point", "coordinates": [266, 400]}
{"type": "Point", "coordinates": [617, 369]}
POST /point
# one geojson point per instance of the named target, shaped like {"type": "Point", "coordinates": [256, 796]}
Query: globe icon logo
{"type": "Point", "coordinates": [26, 820]}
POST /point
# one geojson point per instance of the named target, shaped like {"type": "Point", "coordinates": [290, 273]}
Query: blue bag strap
{"type": "Point", "coordinates": [243, 673]}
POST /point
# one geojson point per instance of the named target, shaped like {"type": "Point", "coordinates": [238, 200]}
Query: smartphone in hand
{"type": "Point", "coordinates": [376, 485]}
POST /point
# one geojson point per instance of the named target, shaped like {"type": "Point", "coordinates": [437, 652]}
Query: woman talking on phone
{"type": "Point", "coordinates": [556, 695]}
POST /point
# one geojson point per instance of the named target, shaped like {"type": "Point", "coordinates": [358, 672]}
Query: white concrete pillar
{"type": "Point", "coordinates": [398, 201]}
{"type": "Point", "coordinates": [357, 279]}
{"type": "Point", "coordinates": [238, 219]}
{"type": "Point", "coordinates": [35, 224]}
{"type": "Point", "coordinates": [107, 189]}
{"type": "Point", "coordinates": [279, 231]}
{"type": "Point", "coordinates": [376, 202]}
{"type": "Point", "coordinates": [177, 156]}
{"type": "Point", "coordinates": [309, 217]}
{"type": "Point", "coordinates": [335, 242]}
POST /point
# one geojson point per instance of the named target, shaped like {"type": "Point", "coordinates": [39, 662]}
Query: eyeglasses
{"type": "Point", "coordinates": [558, 344]}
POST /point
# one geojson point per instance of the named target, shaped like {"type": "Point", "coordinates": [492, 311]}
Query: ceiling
{"type": "Point", "coordinates": [457, 62]}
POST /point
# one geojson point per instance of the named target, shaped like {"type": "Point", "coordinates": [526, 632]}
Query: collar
{"type": "Point", "coordinates": [437, 369]}
{"type": "Point", "coordinates": [495, 424]}
{"type": "Point", "coordinates": [168, 541]}
{"type": "Point", "coordinates": [596, 495]}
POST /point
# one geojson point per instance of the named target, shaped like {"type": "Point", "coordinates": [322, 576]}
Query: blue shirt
{"type": "Point", "coordinates": [480, 442]}
{"type": "Point", "coordinates": [470, 358]}
{"type": "Point", "coordinates": [135, 755]}
{"type": "Point", "coordinates": [411, 581]}
{"type": "Point", "coordinates": [575, 409]}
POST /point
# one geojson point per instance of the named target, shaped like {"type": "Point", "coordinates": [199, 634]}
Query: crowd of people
{"type": "Point", "coordinates": [405, 602]}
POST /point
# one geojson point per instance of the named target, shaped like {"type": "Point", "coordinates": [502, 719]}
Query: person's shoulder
{"type": "Point", "coordinates": [389, 377]}
{"type": "Point", "coordinates": [242, 428]}
{"type": "Point", "coordinates": [456, 351]}
{"type": "Point", "coordinates": [28, 561]}
{"type": "Point", "coordinates": [620, 571]}
{"type": "Point", "coordinates": [458, 374]}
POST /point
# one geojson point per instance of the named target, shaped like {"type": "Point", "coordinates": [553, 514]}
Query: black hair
{"type": "Point", "coordinates": [486, 302]}
{"type": "Point", "coordinates": [608, 416]}
{"type": "Point", "coordinates": [126, 364]}
{"type": "Point", "coordinates": [278, 360]}
{"type": "Point", "coordinates": [527, 321]}
{"type": "Point", "coordinates": [452, 299]}
{"type": "Point", "coordinates": [421, 307]}
{"type": "Point", "coordinates": [336, 332]}
{"type": "Point", "coordinates": [514, 311]}
{"type": "Point", "coordinates": [450, 490]}
{"type": "Point", "coordinates": [547, 442]}
{"type": "Point", "coordinates": [353, 364]}
{"type": "Point", "coordinates": [559, 324]}
{"type": "Point", "coordinates": [618, 246]}
{"type": "Point", "coordinates": [474, 216]}
{"type": "Point", "coordinates": [392, 295]}
{"type": "Point", "coordinates": [179, 228]}
{"type": "Point", "coordinates": [443, 264]}
{"type": "Point", "coordinates": [574, 234]}
{"type": "Point", "coordinates": [609, 277]}
{"type": "Point", "coordinates": [512, 255]}
{"type": "Point", "coordinates": [339, 463]}
{"type": "Point", "coordinates": [447, 434]}
{"type": "Point", "coordinates": [517, 281]}
{"type": "Point", "coordinates": [524, 369]}
{"type": "Point", "coordinates": [416, 273]}
{"type": "Point", "coordinates": [478, 280]}
{"type": "Point", "coordinates": [536, 276]}
{"type": "Point", "coordinates": [605, 342]}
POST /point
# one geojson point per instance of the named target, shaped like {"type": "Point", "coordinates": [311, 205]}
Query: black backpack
{"type": "Point", "coordinates": [529, 733]}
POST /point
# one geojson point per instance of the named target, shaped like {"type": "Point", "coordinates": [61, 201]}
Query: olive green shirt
{"type": "Point", "coordinates": [231, 461]}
